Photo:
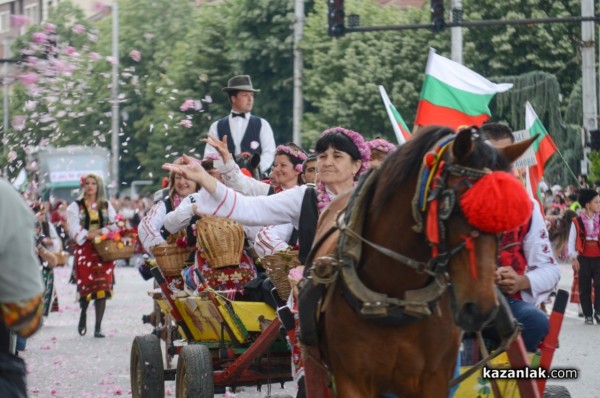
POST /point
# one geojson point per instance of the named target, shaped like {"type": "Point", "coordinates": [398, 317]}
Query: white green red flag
{"type": "Point", "coordinates": [543, 147]}
{"type": "Point", "coordinates": [400, 127]}
{"type": "Point", "coordinates": [454, 95]}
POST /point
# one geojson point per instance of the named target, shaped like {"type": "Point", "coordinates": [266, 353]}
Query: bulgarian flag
{"type": "Point", "coordinates": [544, 147]}
{"type": "Point", "coordinates": [453, 95]}
{"type": "Point", "coordinates": [400, 127]}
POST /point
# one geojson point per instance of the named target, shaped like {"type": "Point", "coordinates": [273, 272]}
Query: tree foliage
{"type": "Point", "coordinates": [341, 75]}
{"type": "Point", "coordinates": [173, 54]}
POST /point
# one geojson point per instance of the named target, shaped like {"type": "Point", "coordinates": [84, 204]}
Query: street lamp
{"type": "Point", "coordinates": [114, 171]}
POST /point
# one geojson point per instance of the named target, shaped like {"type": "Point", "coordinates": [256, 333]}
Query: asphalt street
{"type": "Point", "coordinates": [63, 364]}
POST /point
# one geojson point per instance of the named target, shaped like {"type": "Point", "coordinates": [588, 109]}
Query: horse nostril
{"type": "Point", "coordinates": [471, 309]}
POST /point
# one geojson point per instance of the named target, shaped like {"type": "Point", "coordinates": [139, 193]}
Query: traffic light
{"type": "Point", "coordinates": [595, 140]}
{"type": "Point", "coordinates": [336, 18]}
{"type": "Point", "coordinates": [437, 16]}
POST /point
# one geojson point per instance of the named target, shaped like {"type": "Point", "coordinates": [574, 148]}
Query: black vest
{"type": "Point", "coordinates": [309, 216]}
{"type": "Point", "coordinates": [189, 230]}
{"type": "Point", "coordinates": [102, 214]}
{"type": "Point", "coordinates": [252, 133]}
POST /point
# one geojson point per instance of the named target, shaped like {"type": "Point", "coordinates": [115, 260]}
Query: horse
{"type": "Point", "coordinates": [427, 270]}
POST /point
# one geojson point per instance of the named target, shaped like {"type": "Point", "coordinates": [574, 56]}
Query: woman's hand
{"type": "Point", "coordinates": [575, 265]}
{"type": "Point", "coordinates": [192, 170]}
{"type": "Point", "coordinates": [220, 146]}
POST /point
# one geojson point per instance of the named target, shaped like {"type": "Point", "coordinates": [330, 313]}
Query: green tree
{"type": "Point", "coordinates": [342, 75]}
{"type": "Point", "coordinates": [51, 101]}
{"type": "Point", "coordinates": [146, 46]}
{"type": "Point", "coordinates": [227, 38]}
{"type": "Point", "coordinates": [514, 50]}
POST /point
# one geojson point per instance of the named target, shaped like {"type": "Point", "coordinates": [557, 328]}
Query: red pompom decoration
{"type": "Point", "coordinates": [429, 159]}
{"type": "Point", "coordinates": [496, 203]}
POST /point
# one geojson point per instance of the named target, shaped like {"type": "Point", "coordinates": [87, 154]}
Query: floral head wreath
{"type": "Point", "coordinates": [299, 155]}
{"type": "Point", "coordinates": [358, 140]}
{"type": "Point", "coordinates": [212, 156]}
{"type": "Point", "coordinates": [379, 144]}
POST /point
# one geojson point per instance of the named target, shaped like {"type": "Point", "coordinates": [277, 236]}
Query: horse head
{"type": "Point", "coordinates": [250, 162]}
{"type": "Point", "coordinates": [486, 202]}
{"type": "Point", "coordinates": [456, 187]}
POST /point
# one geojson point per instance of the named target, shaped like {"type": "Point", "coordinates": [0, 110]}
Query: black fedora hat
{"type": "Point", "coordinates": [239, 83]}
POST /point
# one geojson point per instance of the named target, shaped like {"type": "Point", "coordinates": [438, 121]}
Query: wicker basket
{"type": "Point", "coordinates": [221, 240]}
{"type": "Point", "coordinates": [171, 258]}
{"type": "Point", "coordinates": [278, 266]}
{"type": "Point", "coordinates": [109, 250]}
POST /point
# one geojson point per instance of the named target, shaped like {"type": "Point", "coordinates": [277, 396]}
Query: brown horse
{"type": "Point", "coordinates": [408, 356]}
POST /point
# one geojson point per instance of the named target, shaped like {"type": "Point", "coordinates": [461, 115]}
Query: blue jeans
{"type": "Point", "coordinates": [535, 324]}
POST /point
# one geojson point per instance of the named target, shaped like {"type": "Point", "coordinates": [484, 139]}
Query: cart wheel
{"type": "Point", "coordinates": [146, 368]}
{"type": "Point", "coordinates": [556, 392]}
{"type": "Point", "coordinates": [194, 373]}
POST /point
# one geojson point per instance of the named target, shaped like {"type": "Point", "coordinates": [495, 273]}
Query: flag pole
{"type": "Point", "coordinates": [568, 168]}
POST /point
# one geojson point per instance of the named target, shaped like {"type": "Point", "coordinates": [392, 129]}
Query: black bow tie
{"type": "Point", "coordinates": [233, 114]}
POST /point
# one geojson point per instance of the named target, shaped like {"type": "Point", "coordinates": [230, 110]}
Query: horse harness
{"type": "Point", "coordinates": [435, 201]}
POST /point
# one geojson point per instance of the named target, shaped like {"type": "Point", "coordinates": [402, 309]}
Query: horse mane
{"type": "Point", "coordinates": [405, 163]}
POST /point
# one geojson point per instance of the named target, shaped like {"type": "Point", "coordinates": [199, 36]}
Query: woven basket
{"type": "Point", "coordinates": [109, 250]}
{"type": "Point", "coordinates": [171, 258]}
{"type": "Point", "coordinates": [278, 266]}
{"type": "Point", "coordinates": [61, 258]}
{"type": "Point", "coordinates": [221, 240]}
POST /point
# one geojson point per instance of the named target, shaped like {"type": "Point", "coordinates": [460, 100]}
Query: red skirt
{"type": "Point", "coordinates": [94, 277]}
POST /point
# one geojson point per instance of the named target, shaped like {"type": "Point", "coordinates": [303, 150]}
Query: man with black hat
{"type": "Point", "coordinates": [245, 132]}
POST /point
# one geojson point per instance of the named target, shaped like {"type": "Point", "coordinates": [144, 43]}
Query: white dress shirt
{"type": "Point", "coordinates": [238, 126]}
{"type": "Point", "coordinates": [542, 268]}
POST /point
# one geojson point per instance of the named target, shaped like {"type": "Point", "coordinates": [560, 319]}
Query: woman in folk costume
{"type": "Point", "coordinates": [183, 217]}
{"type": "Point", "coordinates": [49, 245]}
{"type": "Point", "coordinates": [90, 217]}
{"type": "Point", "coordinates": [342, 155]}
{"type": "Point", "coordinates": [151, 231]}
{"type": "Point", "coordinates": [584, 252]}
{"type": "Point", "coordinates": [287, 170]}
{"type": "Point", "coordinates": [380, 148]}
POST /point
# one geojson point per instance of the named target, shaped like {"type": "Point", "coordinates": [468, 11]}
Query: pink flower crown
{"type": "Point", "coordinates": [379, 144]}
{"type": "Point", "coordinates": [358, 140]}
{"type": "Point", "coordinates": [212, 156]}
{"type": "Point", "coordinates": [292, 152]}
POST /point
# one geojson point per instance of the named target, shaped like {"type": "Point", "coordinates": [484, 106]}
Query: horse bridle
{"type": "Point", "coordinates": [443, 201]}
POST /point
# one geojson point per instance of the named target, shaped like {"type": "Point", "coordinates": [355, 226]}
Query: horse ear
{"type": "Point", "coordinates": [463, 144]}
{"type": "Point", "coordinates": [514, 151]}
{"type": "Point", "coordinates": [255, 161]}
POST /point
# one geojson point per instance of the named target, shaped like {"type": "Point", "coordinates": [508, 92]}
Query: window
{"type": "Point", "coordinates": [4, 21]}
{"type": "Point", "coordinates": [32, 12]}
